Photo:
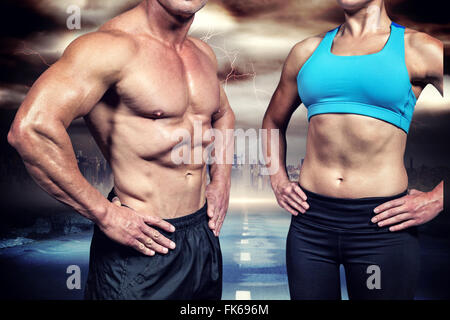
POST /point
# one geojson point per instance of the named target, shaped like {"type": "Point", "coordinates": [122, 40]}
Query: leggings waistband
{"type": "Point", "coordinates": [350, 201]}
{"type": "Point", "coordinates": [343, 213]}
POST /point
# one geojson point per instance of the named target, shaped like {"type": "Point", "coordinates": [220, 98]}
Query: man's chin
{"type": "Point", "coordinates": [189, 12]}
{"type": "Point", "coordinates": [190, 8]}
{"type": "Point", "coordinates": [185, 14]}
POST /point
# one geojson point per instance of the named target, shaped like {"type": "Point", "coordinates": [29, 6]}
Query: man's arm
{"type": "Point", "coordinates": [68, 90]}
{"type": "Point", "coordinates": [218, 190]}
{"type": "Point", "coordinates": [283, 104]}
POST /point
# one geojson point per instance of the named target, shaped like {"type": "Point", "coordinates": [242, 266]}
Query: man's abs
{"type": "Point", "coordinates": [152, 160]}
{"type": "Point", "coordinates": [353, 156]}
{"type": "Point", "coordinates": [164, 192]}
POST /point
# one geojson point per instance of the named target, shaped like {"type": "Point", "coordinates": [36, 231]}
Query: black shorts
{"type": "Point", "coordinates": [193, 271]}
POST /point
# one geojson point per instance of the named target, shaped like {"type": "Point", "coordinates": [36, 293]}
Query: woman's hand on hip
{"type": "Point", "coordinates": [291, 197]}
{"type": "Point", "coordinates": [414, 209]}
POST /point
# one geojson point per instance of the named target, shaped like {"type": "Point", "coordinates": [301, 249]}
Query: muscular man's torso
{"type": "Point", "coordinates": [355, 156]}
{"type": "Point", "coordinates": [137, 124]}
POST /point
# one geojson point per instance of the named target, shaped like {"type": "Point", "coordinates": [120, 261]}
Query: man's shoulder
{"type": "Point", "coordinates": [205, 48]}
{"type": "Point", "coordinates": [113, 39]}
{"type": "Point", "coordinates": [102, 49]}
{"type": "Point", "coordinates": [104, 39]}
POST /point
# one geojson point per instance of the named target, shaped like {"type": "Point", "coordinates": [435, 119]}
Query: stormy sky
{"type": "Point", "coordinates": [251, 40]}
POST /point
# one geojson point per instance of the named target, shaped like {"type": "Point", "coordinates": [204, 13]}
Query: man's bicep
{"type": "Point", "coordinates": [224, 107]}
{"type": "Point", "coordinates": [71, 87]}
{"type": "Point", "coordinates": [62, 94]}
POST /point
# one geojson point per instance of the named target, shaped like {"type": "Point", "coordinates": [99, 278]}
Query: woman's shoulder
{"type": "Point", "coordinates": [303, 49]}
{"type": "Point", "coordinates": [418, 40]}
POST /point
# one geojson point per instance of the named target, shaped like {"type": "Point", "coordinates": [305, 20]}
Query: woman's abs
{"type": "Point", "coordinates": [353, 156]}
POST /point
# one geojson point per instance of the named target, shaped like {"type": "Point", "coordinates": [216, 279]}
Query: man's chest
{"type": "Point", "coordinates": [163, 84]}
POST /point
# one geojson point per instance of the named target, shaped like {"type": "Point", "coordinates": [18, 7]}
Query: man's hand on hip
{"type": "Point", "coordinates": [129, 228]}
{"type": "Point", "coordinates": [218, 196]}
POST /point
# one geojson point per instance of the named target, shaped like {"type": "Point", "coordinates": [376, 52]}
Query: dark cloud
{"type": "Point", "coordinates": [430, 16]}
{"type": "Point", "coordinates": [430, 11]}
{"type": "Point", "coordinates": [22, 66]}
{"type": "Point", "coordinates": [18, 19]}
{"type": "Point", "coordinates": [428, 139]}
{"type": "Point", "coordinates": [253, 7]}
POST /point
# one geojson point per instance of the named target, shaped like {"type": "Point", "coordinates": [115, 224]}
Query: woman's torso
{"type": "Point", "coordinates": [359, 111]}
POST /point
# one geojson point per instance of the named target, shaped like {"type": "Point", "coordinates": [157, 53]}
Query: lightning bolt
{"type": "Point", "coordinates": [210, 34]}
{"type": "Point", "coordinates": [27, 51]}
{"type": "Point", "coordinates": [256, 90]}
{"type": "Point", "coordinates": [232, 57]}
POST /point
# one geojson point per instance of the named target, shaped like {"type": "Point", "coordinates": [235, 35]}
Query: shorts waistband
{"type": "Point", "coordinates": [192, 219]}
{"type": "Point", "coordinates": [183, 222]}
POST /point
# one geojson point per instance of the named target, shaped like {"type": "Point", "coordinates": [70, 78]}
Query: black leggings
{"type": "Point", "coordinates": [378, 263]}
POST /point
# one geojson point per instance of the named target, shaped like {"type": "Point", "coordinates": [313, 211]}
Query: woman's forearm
{"type": "Point", "coordinates": [275, 151]}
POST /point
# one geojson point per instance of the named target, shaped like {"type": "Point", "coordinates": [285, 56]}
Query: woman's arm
{"type": "Point", "coordinates": [284, 102]}
{"type": "Point", "coordinates": [425, 61]}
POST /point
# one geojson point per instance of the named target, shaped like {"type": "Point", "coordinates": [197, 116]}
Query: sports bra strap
{"type": "Point", "coordinates": [397, 43]}
{"type": "Point", "coordinates": [328, 39]}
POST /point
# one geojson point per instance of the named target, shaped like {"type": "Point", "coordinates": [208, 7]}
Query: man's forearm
{"type": "Point", "coordinates": [49, 158]}
{"type": "Point", "coordinates": [220, 170]}
{"type": "Point", "coordinates": [221, 173]}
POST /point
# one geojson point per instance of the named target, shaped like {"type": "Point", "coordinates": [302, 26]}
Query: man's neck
{"type": "Point", "coordinates": [165, 26]}
{"type": "Point", "coordinates": [369, 18]}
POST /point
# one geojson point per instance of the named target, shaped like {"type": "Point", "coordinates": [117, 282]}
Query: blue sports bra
{"type": "Point", "coordinates": [375, 85]}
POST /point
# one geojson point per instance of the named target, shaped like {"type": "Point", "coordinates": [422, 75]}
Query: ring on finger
{"type": "Point", "coordinates": [149, 242]}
